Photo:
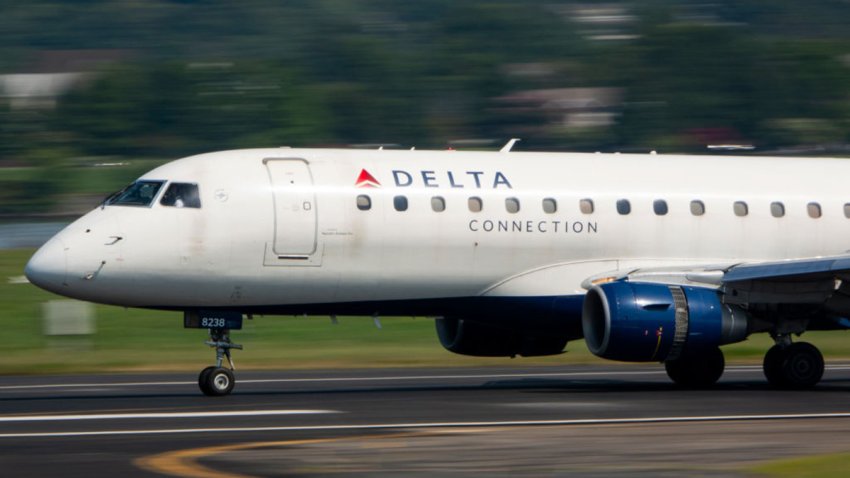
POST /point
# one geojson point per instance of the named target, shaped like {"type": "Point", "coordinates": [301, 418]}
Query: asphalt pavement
{"type": "Point", "coordinates": [588, 420]}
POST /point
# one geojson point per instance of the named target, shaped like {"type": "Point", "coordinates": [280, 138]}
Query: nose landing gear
{"type": "Point", "coordinates": [215, 380]}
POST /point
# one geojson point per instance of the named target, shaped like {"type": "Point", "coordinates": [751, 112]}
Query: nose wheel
{"type": "Point", "coordinates": [216, 380]}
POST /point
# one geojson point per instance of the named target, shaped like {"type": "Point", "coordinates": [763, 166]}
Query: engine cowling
{"type": "Point", "coordinates": [466, 337]}
{"type": "Point", "coordinates": [641, 322]}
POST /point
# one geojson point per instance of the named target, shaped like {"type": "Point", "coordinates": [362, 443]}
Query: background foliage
{"type": "Point", "coordinates": [191, 76]}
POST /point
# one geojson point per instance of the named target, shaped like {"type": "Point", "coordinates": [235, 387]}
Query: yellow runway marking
{"type": "Point", "coordinates": [184, 463]}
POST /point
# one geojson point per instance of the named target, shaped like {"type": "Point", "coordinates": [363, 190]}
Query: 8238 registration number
{"type": "Point", "coordinates": [201, 319]}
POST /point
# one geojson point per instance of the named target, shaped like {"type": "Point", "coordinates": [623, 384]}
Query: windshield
{"type": "Point", "coordinates": [181, 195]}
{"type": "Point", "coordinates": [140, 193]}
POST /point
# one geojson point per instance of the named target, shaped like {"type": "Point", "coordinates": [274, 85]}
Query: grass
{"type": "Point", "coordinates": [820, 466]}
{"type": "Point", "coordinates": [140, 340]}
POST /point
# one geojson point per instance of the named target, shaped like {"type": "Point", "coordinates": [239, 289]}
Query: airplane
{"type": "Point", "coordinates": [648, 257]}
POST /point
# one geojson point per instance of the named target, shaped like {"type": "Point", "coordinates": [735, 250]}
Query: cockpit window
{"type": "Point", "coordinates": [140, 193]}
{"type": "Point", "coordinates": [181, 195]}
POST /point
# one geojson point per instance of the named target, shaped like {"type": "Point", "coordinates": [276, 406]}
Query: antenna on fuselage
{"type": "Point", "coordinates": [508, 147]}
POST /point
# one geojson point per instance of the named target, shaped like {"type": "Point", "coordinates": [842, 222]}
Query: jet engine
{"type": "Point", "coordinates": [465, 337]}
{"type": "Point", "coordinates": [644, 322]}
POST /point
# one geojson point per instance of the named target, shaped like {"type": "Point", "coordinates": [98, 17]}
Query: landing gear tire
{"type": "Point", "coordinates": [203, 378]}
{"type": "Point", "coordinates": [796, 366]}
{"type": "Point", "coordinates": [772, 366]}
{"type": "Point", "coordinates": [697, 370]}
{"type": "Point", "coordinates": [217, 382]}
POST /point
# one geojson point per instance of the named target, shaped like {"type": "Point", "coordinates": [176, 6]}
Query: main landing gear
{"type": "Point", "coordinates": [696, 369]}
{"type": "Point", "coordinates": [788, 365]}
{"type": "Point", "coordinates": [215, 380]}
{"type": "Point", "coordinates": [797, 365]}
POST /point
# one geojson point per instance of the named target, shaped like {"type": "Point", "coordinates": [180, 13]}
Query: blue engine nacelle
{"type": "Point", "coordinates": [643, 322]}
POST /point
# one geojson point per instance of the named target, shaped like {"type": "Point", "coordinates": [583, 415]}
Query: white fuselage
{"type": "Point", "coordinates": [283, 227]}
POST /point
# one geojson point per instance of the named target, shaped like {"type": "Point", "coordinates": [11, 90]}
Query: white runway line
{"type": "Point", "coordinates": [391, 426]}
{"type": "Point", "coordinates": [659, 371]}
{"type": "Point", "coordinates": [340, 379]}
{"type": "Point", "coordinates": [131, 416]}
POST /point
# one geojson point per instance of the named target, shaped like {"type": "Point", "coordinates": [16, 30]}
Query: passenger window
{"type": "Point", "coordinates": [586, 206]}
{"type": "Point", "coordinates": [659, 206]}
{"type": "Point", "coordinates": [181, 195]}
{"type": "Point", "coordinates": [550, 206]}
{"type": "Point", "coordinates": [140, 193]}
{"type": "Point", "coordinates": [697, 208]}
{"type": "Point", "coordinates": [400, 203]}
{"type": "Point", "coordinates": [512, 205]}
{"type": "Point", "coordinates": [475, 204]}
{"type": "Point", "coordinates": [741, 209]}
{"type": "Point", "coordinates": [814, 210]}
{"type": "Point", "coordinates": [624, 207]}
{"type": "Point", "coordinates": [777, 209]}
{"type": "Point", "coordinates": [364, 202]}
{"type": "Point", "coordinates": [438, 204]}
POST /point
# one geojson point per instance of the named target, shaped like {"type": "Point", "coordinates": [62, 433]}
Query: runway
{"type": "Point", "coordinates": [590, 420]}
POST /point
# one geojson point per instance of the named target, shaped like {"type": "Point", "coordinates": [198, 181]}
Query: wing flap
{"type": "Point", "coordinates": [815, 281]}
{"type": "Point", "coordinates": [793, 270]}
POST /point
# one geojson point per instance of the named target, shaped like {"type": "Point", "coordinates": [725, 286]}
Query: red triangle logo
{"type": "Point", "coordinates": [366, 180]}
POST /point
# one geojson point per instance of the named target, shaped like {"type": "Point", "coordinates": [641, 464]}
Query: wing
{"type": "Point", "coordinates": [820, 284]}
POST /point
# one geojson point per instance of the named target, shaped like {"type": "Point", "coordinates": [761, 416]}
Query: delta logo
{"type": "Point", "coordinates": [434, 179]}
{"type": "Point", "coordinates": [366, 180]}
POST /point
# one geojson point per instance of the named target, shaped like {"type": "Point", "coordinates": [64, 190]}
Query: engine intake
{"type": "Point", "coordinates": [640, 322]}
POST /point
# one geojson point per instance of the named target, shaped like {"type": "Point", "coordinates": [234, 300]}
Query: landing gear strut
{"type": "Point", "coordinates": [697, 369]}
{"type": "Point", "coordinates": [217, 381]}
{"type": "Point", "coordinates": [796, 365]}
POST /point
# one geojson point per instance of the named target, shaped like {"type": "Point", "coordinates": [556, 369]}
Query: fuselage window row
{"type": "Point", "coordinates": [777, 209]}
{"type": "Point", "coordinates": [512, 205]}
{"type": "Point", "coordinates": [624, 207]}
{"type": "Point", "coordinates": [364, 202]}
{"type": "Point", "coordinates": [659, 206]}
{"type": "Point", "coordinates": [400, 203]}
{"type": "Point", "coordinates": [586, 206]}
{"type": "Point", "coordinates": [740, 208]}
{"type": "Point", "coordinates": [438, 204]}
{"type": "Point", "coordinates": [550, 205]}
{"type": "Point", "coordinates": [697, 207]}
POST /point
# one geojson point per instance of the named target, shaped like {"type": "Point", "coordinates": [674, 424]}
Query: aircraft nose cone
{"type": "Point", "coordinates": [47, 268]}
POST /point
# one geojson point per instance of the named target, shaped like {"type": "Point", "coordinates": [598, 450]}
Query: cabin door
{"type": "Point", "coordinates": [295, 220]}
